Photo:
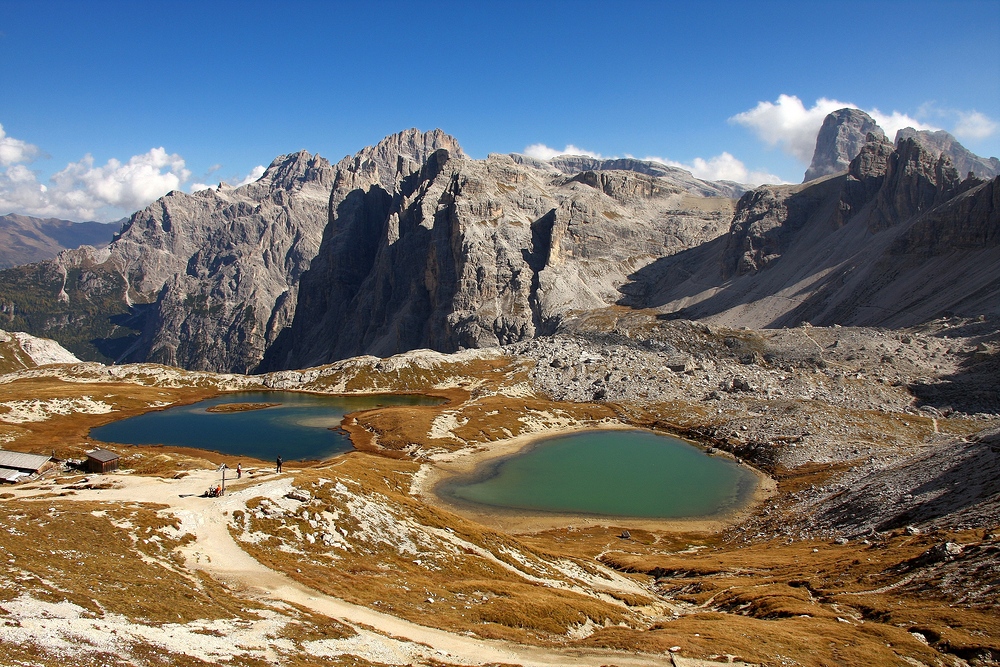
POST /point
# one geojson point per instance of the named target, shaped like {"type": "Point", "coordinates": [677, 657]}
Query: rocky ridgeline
{"type": "Point", "coordinates": [201, 281]}
{"type": "Point", "coordinates": [941, 143]}
{"type": "Point", "coordinates": [845, 131]}
{"type": "Point", "coordinates": [410, 244]}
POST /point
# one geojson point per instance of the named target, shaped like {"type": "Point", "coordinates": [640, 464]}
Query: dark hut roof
{"type": "Point", "coordinates": [102, 455]}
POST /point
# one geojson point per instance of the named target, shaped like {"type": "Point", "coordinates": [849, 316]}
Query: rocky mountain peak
{"type": "Point", "coordinates": [291, 171]}
{"type": "Point", "coordinates": [839, 141]}
{"type": "Point", "coordinates": [964, 160]}
{"type": "Point", "coordinates": [392, 159]}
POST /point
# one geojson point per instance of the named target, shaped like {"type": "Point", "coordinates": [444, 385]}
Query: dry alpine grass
{"type": "Point", "coordinates": [423, 564]}
{"type": "Point", "coordinates": [891, 601]}
{"type": "Point", "coordinates": [111, 575]}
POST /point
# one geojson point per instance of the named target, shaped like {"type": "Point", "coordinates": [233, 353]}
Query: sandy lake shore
{"type": "Point", "coordinates": [442, 468]}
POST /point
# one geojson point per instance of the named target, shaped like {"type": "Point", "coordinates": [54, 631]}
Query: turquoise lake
{"type": "Point", "coordinates": [612, 473]}
{"type": "Point", "coordinates": [298, 429]}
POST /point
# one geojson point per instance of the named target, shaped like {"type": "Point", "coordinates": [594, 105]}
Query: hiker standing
{"type": "Point", "coordinates": [279, 463]}
{"type": "Point", "coordinates": [239, 471]}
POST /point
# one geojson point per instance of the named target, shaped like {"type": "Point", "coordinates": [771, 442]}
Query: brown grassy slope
{"type": "Point", "coordinates": [864, 600]}
{"type": "Point", "coordinates": [398, 562]}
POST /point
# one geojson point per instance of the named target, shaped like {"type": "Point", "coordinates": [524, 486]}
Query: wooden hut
{"type": "Point", "coordinates": [15, 466]}
{"type": "Point", "coordinates": [102, 461]}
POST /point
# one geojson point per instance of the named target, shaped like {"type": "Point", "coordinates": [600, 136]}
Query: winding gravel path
{"type": "Point", "coordinates": [216, 552]}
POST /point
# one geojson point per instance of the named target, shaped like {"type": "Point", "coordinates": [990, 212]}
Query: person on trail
{"type": "Point", "coordinates": [239, 471]}
{"type": "Point", "coordinates": [279, 463]}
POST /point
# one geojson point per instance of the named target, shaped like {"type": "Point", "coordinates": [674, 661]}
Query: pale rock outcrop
{"type": "Point", "coordinates": [679, 178]}
{"type": "Point", "coordinates": [19, 350]}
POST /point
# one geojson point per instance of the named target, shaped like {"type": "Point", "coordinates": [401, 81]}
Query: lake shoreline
{"type": "Point", "coordinates": [429, 481]}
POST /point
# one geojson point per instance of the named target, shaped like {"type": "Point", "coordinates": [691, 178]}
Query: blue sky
{"type": "Point", "coordinates": [225, 87]}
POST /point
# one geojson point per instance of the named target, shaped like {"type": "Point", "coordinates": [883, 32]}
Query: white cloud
{"type": "Point", "coordinates": [722, 167]}
{"type": "Point", "coordinates": [13, 151]}
{"type": "Point", "coordinates": [789, 124]}
{"type": "Point", "coordinates": [254, 174]}
{"type": "Point", "coordinates": [83, 191]}
{"type": "Point", "coordinates": [543, 152]}
{"type": "Point", "coordinates": [974, 125]}
{"type": "Point", "coordinates": [893, 123]}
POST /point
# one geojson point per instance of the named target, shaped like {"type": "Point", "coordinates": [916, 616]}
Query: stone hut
{"type": "Point", "coordinates": [102, 461]}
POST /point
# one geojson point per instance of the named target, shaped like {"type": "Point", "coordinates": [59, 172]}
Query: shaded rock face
{"type": "Point", "coordinates": [915, 181]}
{"type": "Point", "coordinates": [964, 160]}
{"type": "Point", "coordinates": [468, 253]}
{"type": "Point", "coordinates": [897, 240]}
{"type": "Point", "coordinates": [839, 141]}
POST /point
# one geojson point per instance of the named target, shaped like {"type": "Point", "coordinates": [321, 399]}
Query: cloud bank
{"type": "Point", "coordinates": [14, 151]}
{"type": "Point", "coordinates": [543, 152]}
{"type": "Point", "coordinates": [974, 125]}
{"type": "Point", "coordinates": [236, 182]}
{"type": "Point", "coordinates": [722, 167]}
{"type": "Point", "coordinates": [84, 190]}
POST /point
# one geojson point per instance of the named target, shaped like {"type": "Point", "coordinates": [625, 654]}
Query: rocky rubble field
{"type": "Point", "coordinates": [891, 416]}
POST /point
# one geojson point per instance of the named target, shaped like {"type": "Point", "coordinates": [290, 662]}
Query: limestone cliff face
{"type": "Point", "coordinates": [410, 244]}
{"type": "Point", "coordinates": [839, 141]}
{"type": "Point", "coordinates": [964, 160]}
{"type": "Point", "coordinates": [680, 179]}
{"type": "Point", "coordinates": [915, 181]}
{"type": "Point", "coordinates": [474, 253]}
{"type": "Point", "coordinates": [223, 264]}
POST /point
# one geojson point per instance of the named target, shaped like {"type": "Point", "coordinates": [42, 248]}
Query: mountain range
{"type": "Point", "coordinates": [24, 239]}
{"type": "Point", "coordinates": [410, 243]}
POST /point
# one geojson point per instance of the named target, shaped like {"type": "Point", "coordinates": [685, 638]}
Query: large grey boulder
{"type": "Point", "coordinates": [839, 141]}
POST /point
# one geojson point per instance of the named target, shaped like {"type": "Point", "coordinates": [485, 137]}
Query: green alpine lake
{"type": "Point", "coordinates": [301, 427]}
{"type": "Point", "coordinates": [608, 472]}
